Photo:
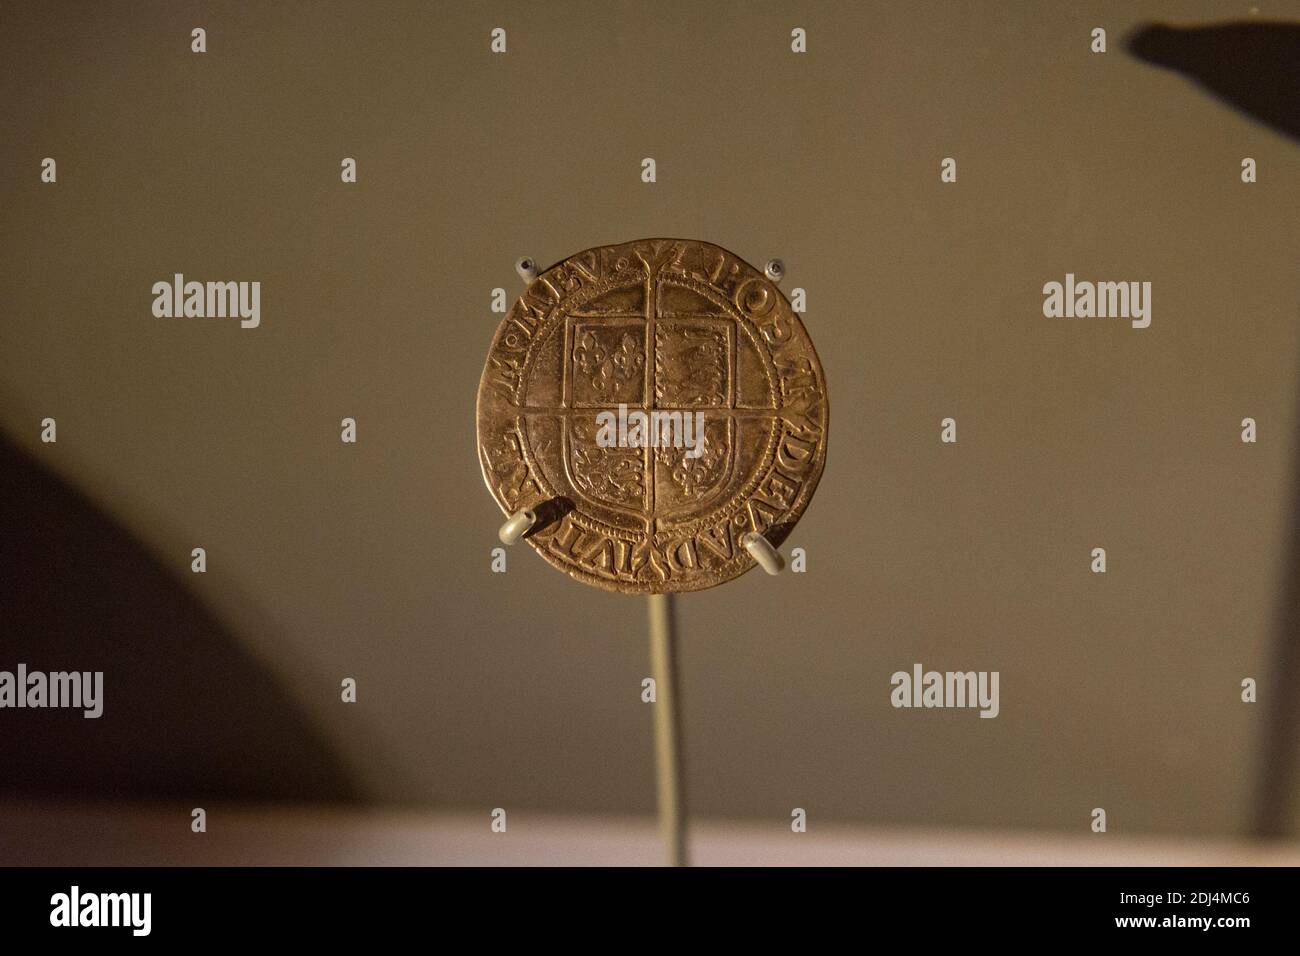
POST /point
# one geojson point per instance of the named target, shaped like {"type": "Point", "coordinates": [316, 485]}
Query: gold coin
{"type": "Point", "coordinates": [652, 402]}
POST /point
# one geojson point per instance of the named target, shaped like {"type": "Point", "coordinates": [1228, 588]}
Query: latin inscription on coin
{"type": "Point", "coordinates": [653, 402]}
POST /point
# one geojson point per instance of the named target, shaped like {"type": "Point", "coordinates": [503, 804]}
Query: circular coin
{"type": "Point", "coordinates": [652, 402]}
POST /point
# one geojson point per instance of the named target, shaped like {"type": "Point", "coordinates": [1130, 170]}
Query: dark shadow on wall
{"type": "Point", "coordinates": [1253, 66]}
{"type": "Point", "coordinates": [1280, 694]}
{"type": "Point", "coordinates": [187, 713]}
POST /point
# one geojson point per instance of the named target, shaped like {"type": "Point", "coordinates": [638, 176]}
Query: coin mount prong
{"type": "Point", "coordinates": [527, 268]}
{"type": "Point", "coordinates": [774, 270]}
{"type": "Point", "coordinates": [762, 551]}
{"type": "Point", "coordinates": [518, 525]}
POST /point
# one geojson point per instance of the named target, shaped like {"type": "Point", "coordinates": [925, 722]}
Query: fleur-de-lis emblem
{"type": "Point", "coordinates": [609, 369]}
{"type": "Point", "coordinates": [693, 475]}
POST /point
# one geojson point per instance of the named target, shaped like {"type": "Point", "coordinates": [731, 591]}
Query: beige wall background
{"type": "Point", "coordinates": [521, 690]}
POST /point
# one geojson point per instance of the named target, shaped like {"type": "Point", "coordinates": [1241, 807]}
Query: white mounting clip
{"type": "Point", "coordinates": [526, 268]}
{"type": "Point", "coordinates": [774, 270]}
{"type": "Point", "coordinates": [761, 550]}
{"type": "Point", "coordinates": [518, 525]}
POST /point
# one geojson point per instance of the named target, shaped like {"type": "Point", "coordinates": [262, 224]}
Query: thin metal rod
{"type": "Point", "coordinates": [668, 729]}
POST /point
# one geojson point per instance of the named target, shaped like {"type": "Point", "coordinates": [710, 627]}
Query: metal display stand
{"type": "Point", "coordinates": [664, 669]}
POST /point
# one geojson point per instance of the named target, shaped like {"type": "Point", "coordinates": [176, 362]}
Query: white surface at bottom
{"type": "Point", "coordinates": [154, 835]}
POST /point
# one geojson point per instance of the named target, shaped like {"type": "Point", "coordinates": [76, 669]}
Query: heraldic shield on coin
{"type": "Point", "coordinates": [652, 402]}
